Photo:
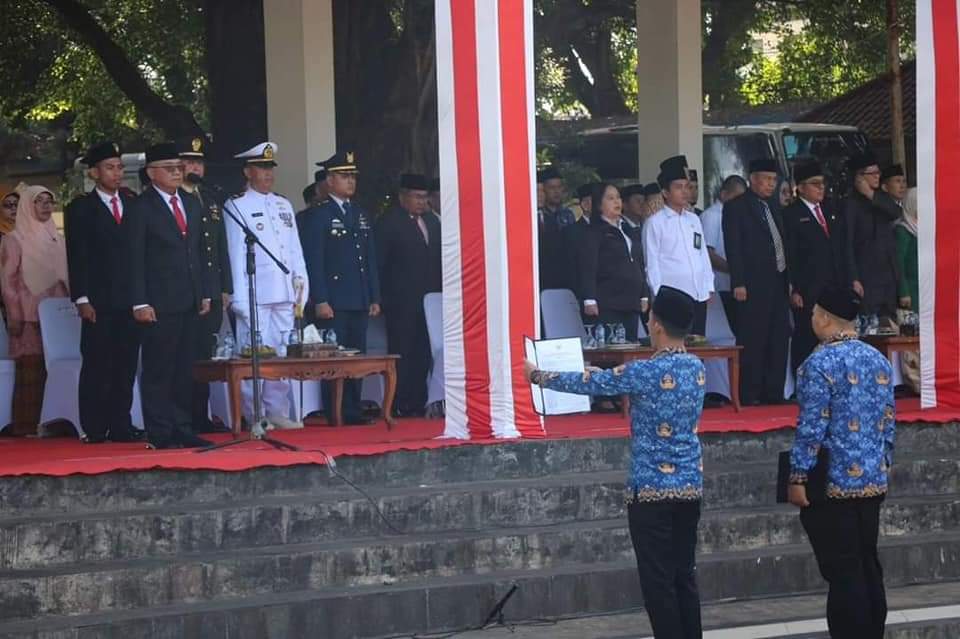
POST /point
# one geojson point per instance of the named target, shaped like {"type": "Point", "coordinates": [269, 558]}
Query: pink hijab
{"type": "Point", "coordinates": [44, 255]}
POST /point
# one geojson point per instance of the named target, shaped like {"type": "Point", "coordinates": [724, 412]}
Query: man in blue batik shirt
{"type": "Point", "coordinates": [845, 391]}
{"type": "Point", "coordinates": [665, 484]}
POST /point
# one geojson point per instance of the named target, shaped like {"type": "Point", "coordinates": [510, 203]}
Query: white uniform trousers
{"type": "Point", "coordinates": [275, 322]}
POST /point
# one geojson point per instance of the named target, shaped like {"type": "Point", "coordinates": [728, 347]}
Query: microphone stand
{"type": "Point", "coordinates": [258, 430]}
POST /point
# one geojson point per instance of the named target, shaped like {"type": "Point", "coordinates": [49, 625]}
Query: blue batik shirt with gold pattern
{"type": "Point", "coordinates": [666, 400]}
{"type": "Point", "coordinates": [845, 391]}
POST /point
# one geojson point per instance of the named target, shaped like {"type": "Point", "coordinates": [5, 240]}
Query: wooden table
{"type": "Point", "coordinates": [612, 357]}
{"type": "Point", "coordinates": [336, 369]}
{"type": "Point", "coordinates": [890, 344]}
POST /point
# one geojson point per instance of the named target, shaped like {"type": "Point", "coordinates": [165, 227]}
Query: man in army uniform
{"type": "Point", "coordinates": [271, 217]}
{"type": "Point", "coordinates": [340, 254]}
{"type": "Point", "coordinates": [214, 252]}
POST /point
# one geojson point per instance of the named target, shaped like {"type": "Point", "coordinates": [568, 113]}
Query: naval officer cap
{"type": "Point", "coordinates": [191, 147]}
{"type": "Point", "coordinates": [100, 152]}
{"type": "Point", "coordinates": [806, 170]}
{"type": "Point", "coordinates": [341, 162]}
{"type": "Point", "coordinates": [262, 155]}
{"type": "Point", "coordinates": [841, 302]}
{"type": "Point", "coordinates": [414, 182]}
{"type": "Point", "coordinates": [674, 307]}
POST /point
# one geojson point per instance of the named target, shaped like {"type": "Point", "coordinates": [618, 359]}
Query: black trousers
{"type": "Point", "coordinates": [843, 533]}
{"type": "Point", "coordinates": [169, 350]}
{"type": "Point", "coordinates": [804, 339]}
{"type": "Point", "coordinates": [699, 326]}
{"type": "Point", "coordinates": [207, 327]}
{"type": "Point", "coordinates": [763, 331]}
{"type": "Point", "coordinates": [629, 319]}
{"type": "Point", "coordinates": [407, 337]}
{"type": "Point", "coordinates": [730, 305]}
{"type": "Point", "coordinates": [664, 538]}
{"type": "Point", "coordinates": [351, 328]}
{"type": "Point", "coordinates": [110, 349]}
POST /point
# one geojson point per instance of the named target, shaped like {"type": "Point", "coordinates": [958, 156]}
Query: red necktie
{"type": "Point", "coordinates": [178, 215]}
{"type": "Point", "coordinates": [821, 220]}
{"type": "Point", "coordinates": [116, 208]}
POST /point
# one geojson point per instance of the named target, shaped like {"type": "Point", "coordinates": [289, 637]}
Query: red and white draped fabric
{"type": "Point", "coordinates": [487, 173]}
{"type": "Point", "coordinates": [938, 173]}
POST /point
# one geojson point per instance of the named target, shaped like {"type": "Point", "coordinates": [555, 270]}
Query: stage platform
{"type": "Point", "coordinates": [66, 456]}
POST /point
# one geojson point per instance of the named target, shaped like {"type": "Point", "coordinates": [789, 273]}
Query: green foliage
{"type": "Point", "coordinates": [50, 74]}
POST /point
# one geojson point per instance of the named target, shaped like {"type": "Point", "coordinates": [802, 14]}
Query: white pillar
{"type": "Point", "coordinates": [301, 116]}
{"type": "Point", "coordinates": [670, 94]}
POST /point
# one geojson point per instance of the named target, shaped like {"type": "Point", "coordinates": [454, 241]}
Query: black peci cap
{"type": "Point", "coordinates": [861, 161]}
{"type": "Point", "coordinates": [842, 302]}
{"type": "Point", "coordinates": [651, 189]}
{"type": "Point", "coordinates": [100, 152]}
{"type": "Point", "coordinates": [674, 307]}
{"type": "Point", "coordinates": [806, 170]}
{"type": "Point", "coordinates": [893, 170]}
{"type": "Point", "coordinates": [161, 152]}
{"type": "Point", "coordinates": [764, 165]}
{"type": "Point", "coordinates": [632, 189]}
{"type": "Point", "coordinates": [414, 182]}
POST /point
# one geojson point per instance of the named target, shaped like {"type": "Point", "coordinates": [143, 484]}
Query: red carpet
{"type": "Point", "coordinates": [64, 456]}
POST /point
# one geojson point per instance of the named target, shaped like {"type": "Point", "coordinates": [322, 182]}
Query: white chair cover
{"type": "Point", "coordinates": [60, 333]}
{"type": "Point", "coordinates": [718, 333]}
{"type": "Point", "coordinates": [561, 314]}
{"type": "Point", "coordinates": [8, 370]}
{"type": "Point", "coordinates": [433, 310]}
{"type": "Point", "coordinates": [372, 389]}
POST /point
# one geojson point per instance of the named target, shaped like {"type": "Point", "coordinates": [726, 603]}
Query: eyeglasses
{"type": "Point", "coordinates": [40, 201]}
{"type": "Point", "coordinates": [10, 205]}
{"type": "Point", "coordinates": [172, 169]}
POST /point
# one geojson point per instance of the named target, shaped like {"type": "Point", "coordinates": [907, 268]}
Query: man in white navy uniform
{"type": "Point", "coordinates": [273, 219]}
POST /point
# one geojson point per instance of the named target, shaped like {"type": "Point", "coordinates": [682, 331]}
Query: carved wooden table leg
{"type": "Point", "coordinates": [337, 398]}
{"type": "Point", "coordinates": [389, 391]}
{"type": "Point", "coordinates": [235, 397]}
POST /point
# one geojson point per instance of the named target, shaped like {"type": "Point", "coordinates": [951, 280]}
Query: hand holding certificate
{"type": "Point", "coordinates": [558, 355]}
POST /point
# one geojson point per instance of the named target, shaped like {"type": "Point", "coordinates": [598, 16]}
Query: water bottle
{"type": "Point", "coordinates": [282, 344]}
{"type": "Point", "coordinates": [621, 334]}
{"type": "Point", "coordinates": [874, 326]}
{"type": "Point", "coordinates": [601, 335]}
{"type": "Point", "coordinates": [228, 347]}
{"type": "Point", "coordinates": [331, 337]}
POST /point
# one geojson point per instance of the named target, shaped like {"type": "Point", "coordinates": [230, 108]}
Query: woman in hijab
{"type": "Point", "coordinates": [905, 230]}
{"type": "Point", "coordinates": [33, 267]}
{"type": "Point", "coordinates": [8, 212]}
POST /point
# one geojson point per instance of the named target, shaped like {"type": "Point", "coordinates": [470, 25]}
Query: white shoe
{"type": "Point", "coordinates": [283, 423]}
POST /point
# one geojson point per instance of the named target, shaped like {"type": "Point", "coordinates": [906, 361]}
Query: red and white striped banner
{"type": "Point", "coordinates": [938, 173]}
{"type": "Point", "coordinates": [487, 170]}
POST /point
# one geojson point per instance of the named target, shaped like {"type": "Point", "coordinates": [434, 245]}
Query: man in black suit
{"type": "Point", "coordinates": [109, 340]}
{"type": "Point", "coordinates": [408, 255]}
{"type": "Point", "coordinates": [170, 288]}
{"type": "Point", "coordinates": [870, 213]}
{"type": "Point", "coordinates": [214, 252]}
{"type": "Point", "coordinates": [817, 253]}
{"type": "Point", "coordinates": [756, 255]}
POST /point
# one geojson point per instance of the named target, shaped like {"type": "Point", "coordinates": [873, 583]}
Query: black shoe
{"type": "Point", "coordinates": [167, 444]}
{"type": "Point", "coordinates": [189, 440]}
{"type": "Point", "coordinates": [751, 402]}
{"type": "Point", "coordinates": [93, 439]}
{"type": "Point", "coordinates": [208, 426]}
{"type": "Point", "coordinates": [125, 436]}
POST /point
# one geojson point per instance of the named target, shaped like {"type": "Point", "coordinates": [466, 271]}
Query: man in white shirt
{"type": "Point", "coordinates": [674, 246]}
{"type": "Point", "coordinates": [712, 221]}
{"type": "Point", "coordinates": [272, 218]}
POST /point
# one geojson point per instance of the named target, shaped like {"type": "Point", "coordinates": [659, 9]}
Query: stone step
{"type": "Point", "coordinates": [462, 601]}
{"type": "Point", "coordinates": [455, 464]}
{"type": "Point", "coordinates": [82, 588]}
{"type": "Point", "coordinates": [788, 617]}
{"type": "Point", "coordinates": [52, 539]}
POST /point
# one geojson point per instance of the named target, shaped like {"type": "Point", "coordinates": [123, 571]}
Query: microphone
{"type": "Point", "coordinates": [195, 179]}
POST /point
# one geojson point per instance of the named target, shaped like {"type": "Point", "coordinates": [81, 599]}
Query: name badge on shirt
{"type": "Point", "coordinates": [258, 214]}
{"type": "Point", "coordinates": [697, 241]}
